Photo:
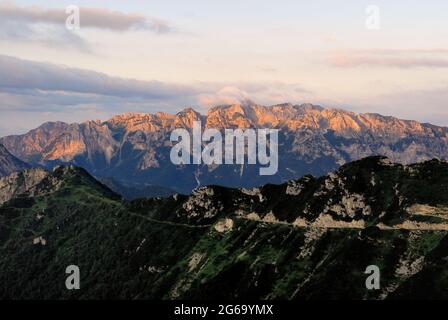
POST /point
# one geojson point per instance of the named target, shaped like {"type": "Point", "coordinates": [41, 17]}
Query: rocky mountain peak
{"type": "Point", "coordinates": [186, 117]}
{"type": "Point", "coordinates": [231, 116]}
{"type": "Point", "coordinates": [313, 140]}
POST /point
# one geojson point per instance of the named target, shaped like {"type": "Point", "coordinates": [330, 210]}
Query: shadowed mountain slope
{"type": "Point", "coordinates": [9, 163]}
{"type": "Point", "coordinates": [310, 238]}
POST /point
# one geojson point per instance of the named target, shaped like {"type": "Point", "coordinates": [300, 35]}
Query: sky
{"type": "Point", "coordinates": [388, 57]}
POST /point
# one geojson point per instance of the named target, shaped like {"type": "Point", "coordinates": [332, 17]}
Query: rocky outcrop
{"type": "Point", "coordinates": [370, 192]}
{"type": "Point", "coordinates": [34, 182]}
{"type": "Point", "coordinates": [19, 183]}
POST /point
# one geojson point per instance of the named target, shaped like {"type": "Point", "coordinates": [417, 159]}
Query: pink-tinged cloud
{"type": "Point", "coordinates": [100, 18]}
{"type": "Point", "coordinates": [387, 61]}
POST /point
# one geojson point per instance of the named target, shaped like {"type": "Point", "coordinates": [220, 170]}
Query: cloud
{"type": "Point", "coordinates": [100, 18]}
{"type": "Point", "coordinates": [60, 85]}
{"type": "Point", "coordinates": [267, 69]}
{"type": "Point", "coordinates": [267, 93]}
{"type": "Point", "coordinates": [226, 95]}
{"type": "Point", "coordinates": [395, 58]}
{"type": "Point", "coordinates": [29, 75]}
{"type": "Point", "coordinates": [391, 52]}
{"type": "Point", "coordinates": [42, 26]}
{"type": "Point", "coordinates": [426, 105]}
{"type": "Point", "coordinates": [36, 92]}
{"type": "Point", "coordinates": [404, 63]}
{"type": "Point", "coordinates": [32, 93]}
{"type": "Point", "coordinates": [50, 35]}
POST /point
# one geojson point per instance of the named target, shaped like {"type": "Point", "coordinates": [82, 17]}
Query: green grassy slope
{"type": "Point", "coordinates": [150, 249]}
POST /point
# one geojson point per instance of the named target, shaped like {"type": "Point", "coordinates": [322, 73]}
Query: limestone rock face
{"type": "Point", "coordinates": [20, 182]}
{"type": "Point", "coordinates": [370, 191]}
{"type": "Point", "coordinates": [135, 147]}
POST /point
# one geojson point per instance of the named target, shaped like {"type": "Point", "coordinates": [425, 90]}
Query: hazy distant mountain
{"type": "Point", "coordinates": [9, 163]}
{"type": "Point", "coordinates": [312, 140]}
{"type": "Point", "coordinates": [310, 238]}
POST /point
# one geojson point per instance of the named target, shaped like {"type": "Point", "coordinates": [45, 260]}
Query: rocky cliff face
{"type": "Point", "coordinates": [9, 163]}
{"type": "Point", "coordinates": [370, 192]}
{"type": "Point", "coordinates": [18, 183]}
{"type": "Point", "coordinates": [313, 140]}
{"type": "Point", "coordinates": [310, 238]}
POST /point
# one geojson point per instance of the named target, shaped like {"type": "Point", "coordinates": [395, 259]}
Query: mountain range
{"type": "Point", "coordinates": [310, 238]}
{"type": "Point", "coordinates": [134, 148]}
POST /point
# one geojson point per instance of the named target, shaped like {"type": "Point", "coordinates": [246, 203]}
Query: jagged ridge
{"type": "Point", "coordinates": [135, 147]}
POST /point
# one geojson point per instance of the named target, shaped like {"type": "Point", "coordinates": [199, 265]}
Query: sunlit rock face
{"type": "Point", "coordinates": [312, 140]}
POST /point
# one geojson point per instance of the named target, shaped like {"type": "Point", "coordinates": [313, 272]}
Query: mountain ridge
{"type": "Point", "coordinates": [311, 238]}
{"type": "Point", "coordinates": [135, 146]}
